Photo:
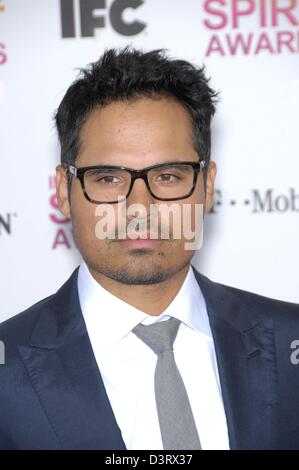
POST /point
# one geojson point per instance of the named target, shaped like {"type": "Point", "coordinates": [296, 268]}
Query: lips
{"type": "Point", "coordinates": [145, 236]}
{"type": "Point", "coordinates": [141, 242]}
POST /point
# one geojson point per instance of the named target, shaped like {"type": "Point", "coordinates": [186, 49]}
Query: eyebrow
{"type": "Point", "coordinates": [154, 164]}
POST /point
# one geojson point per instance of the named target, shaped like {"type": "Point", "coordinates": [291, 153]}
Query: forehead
{"type": "Point", "coordinates": [143, 129]}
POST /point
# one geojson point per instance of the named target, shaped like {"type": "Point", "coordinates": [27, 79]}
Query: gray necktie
{"type": "Point", "coordinates": [177, 425]}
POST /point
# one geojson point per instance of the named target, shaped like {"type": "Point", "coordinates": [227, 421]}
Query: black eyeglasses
{"type": "Point", "coordinates": [109, 184]}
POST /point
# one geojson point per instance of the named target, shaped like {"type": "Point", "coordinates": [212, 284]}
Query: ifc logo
{"type": "Point", "coordinates": [90, 19]}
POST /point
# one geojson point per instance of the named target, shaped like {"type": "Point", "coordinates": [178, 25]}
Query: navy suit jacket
{"type": "Point", "coordinates": [52, 395]}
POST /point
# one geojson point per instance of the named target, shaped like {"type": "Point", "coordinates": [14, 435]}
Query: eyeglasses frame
{"type": "Point", "coordinates": [135, 174]}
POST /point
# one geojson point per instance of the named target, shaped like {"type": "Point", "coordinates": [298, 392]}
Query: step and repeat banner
{"type": "Point", "coordinates": [251, 52]}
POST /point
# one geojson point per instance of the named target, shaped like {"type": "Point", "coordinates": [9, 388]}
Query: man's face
{"type": "Point", "coordinates": [134, 135]}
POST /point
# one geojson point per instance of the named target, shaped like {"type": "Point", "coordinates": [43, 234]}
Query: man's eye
{"type": "Point", "coordinates": [168, 178]}
{"type": "Point", "coordinates": [104, 179]}
{"type": "Point", "coordinates": [108, 179]}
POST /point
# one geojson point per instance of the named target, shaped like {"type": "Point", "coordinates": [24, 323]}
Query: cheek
{"type": "Point", "coordinates": [83, 220]}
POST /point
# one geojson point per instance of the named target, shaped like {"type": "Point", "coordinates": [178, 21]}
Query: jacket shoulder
{"type": "Point", "coordinates": [264, 306]}
{"type": "Point", "coordinates": [18, 328]}
{"type": "Point", "coordinates": [20, 325]}
{"type": "Point", "coordinates": [261, 300]}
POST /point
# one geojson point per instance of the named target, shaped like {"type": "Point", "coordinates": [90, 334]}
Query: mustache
{"type": "Point", "coordinates": [142, 228]}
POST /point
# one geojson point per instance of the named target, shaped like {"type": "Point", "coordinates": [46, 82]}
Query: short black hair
{"type": "Point", "coordinates": [127, 74]}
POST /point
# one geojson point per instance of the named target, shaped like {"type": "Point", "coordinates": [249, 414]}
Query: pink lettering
{"type": "Point", "coordinates": [285, 38]}
{"type": "Point", "coordinates": [215, 46]}
{"type": "Point", "coordinates": [52, 182]}
{"type": "Point", "coordinates": [61, 239]}
{"type": "Point", "coordinates": [212, 10]}
{"type": "Point", "coordinates": [3, 55]}
{"type": "Point", "coordinates": [263, 13]}
{"type": "Point", "coordinates": [276, 10]}
{"type": "Point", "coordinates": [264, 43]}
{"type": "Point", "coordinates": [57, 218]}
{"type": "Point", "coordinates": [237, 12]}
{"type": "Point", "coordinates": [239, 42]}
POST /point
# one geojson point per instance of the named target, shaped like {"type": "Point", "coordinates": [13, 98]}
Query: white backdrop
{"type": "Point", "coordinates": [251, 50]}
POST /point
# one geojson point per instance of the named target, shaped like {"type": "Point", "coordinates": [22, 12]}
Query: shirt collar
{"type": "Point", "coordinates": [110, 319]}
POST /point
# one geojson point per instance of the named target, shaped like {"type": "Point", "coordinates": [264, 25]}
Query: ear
{"type": "Point", "coordinates": [209, 196]}
{"type": "Point", "coordinates": [62, 191]}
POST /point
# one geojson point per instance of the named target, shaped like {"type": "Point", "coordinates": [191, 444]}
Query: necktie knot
{"type": "Point", "coordinates": [159, 336]}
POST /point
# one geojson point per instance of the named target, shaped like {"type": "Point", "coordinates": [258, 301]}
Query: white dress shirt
{"type": "Point", "coordinates": [127, 364]}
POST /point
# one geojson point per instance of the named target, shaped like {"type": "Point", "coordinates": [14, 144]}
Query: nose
{"type": "Point", "coordinates": [140, 195]}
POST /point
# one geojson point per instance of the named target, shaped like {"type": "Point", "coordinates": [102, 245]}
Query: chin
{"type": "Point", "coordinates": [139, 276]}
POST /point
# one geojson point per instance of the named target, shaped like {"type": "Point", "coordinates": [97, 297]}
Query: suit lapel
{"type": "Point", "coordinates": [65, 376]}
{"type": "Point", "coordinates": [245, 352]}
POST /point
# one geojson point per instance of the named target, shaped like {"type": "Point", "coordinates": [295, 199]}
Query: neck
{"type": "Point", "coordinates": [152, 299]}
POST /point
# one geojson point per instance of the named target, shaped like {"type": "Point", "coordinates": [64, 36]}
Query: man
{"type": "Point", "coordinates": [138, 350]}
